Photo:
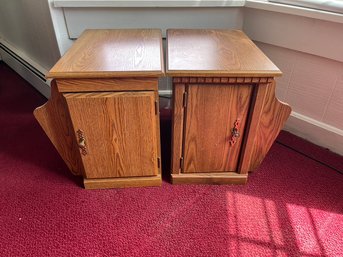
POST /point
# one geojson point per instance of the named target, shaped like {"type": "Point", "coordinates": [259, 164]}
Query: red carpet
{"type": "Point", "coordinates": [291, 206]}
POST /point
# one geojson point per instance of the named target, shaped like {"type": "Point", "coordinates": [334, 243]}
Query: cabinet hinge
{"type": "Point", "coordinates": [185, 99]}
{"type": "Point", "coordinates": [181, 163]}
{"type": "Point", "coordinates": [158, 162]}
{"type": "Point", "coordinates": [156, 108]}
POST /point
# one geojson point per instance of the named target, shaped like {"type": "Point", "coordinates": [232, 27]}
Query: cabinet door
{"type": "Point", "coordinates": [211, 113]}
{"type": "Point", "coordinates": [118, 132]}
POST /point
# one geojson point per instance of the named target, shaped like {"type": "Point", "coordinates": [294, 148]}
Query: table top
{"type": "Point", "coordinates": [209, 52]}
{"type": "Point", "coordinates": [107, 53]}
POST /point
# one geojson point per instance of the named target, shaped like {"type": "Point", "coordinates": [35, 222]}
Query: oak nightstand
{"type": "Point", "coordinates": [225, 114]}
{"type": "Point", "coordinates": [103, 115]}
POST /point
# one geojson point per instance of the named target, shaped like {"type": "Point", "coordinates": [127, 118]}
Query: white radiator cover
{"type": "Point", "coordinates": [25, 67]}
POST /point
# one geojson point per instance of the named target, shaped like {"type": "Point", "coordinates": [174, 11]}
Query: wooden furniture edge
{"type": "Point", "coordinates": [273, 117]}
{"type": "Point", "coordinates": [222, 73]}
{"type": "Point", "coordinates": [224, 79]}
{"type": "Point", "coordinates": [158, 133]}
{"type": "Point", "coordinates": [256, 108]}
{"type": "Point", "coordinates": [163, 68]}
{"type": "Point", "coordinates": [177, 127]}
{"type": "Point", "coordinates": [103, 183]}
{"type": "Point", "coordinates": [110, 84]}
{"type": "Point", "coordinates": [54, 118]}
{"type": "Point", "coordinates": [209, 178]}
{"type": "Point", "coordinates": [112, 74]}
{"type": "Point", "coordinates": [74, 63]}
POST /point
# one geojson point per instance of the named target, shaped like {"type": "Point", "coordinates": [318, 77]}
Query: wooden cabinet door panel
{"type": "Point", "coordinates": [210, 116]}
{"type": "Point", "coordinates": [119, 129]}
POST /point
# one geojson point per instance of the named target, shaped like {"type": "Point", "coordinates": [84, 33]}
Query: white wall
{"type": "Point", "coordinates": [78, 19]}
{"type": "Point", "coordinates": [309, 52]}
{"type": "Point", "coordinates": [26, 27]}
{"type": "Point", "coordinates": [312, 85]}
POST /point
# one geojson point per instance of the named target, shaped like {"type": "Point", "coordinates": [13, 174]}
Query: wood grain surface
{"type": "Point", "coordinates": [109, 53]}
{"type": "Point", "coordinates": [204, 52]}
{"type": "Point", "coordinates": [157, 131]}
{"type": "Point", "coordinates": [177, 127]}
{"type": "Point", "coordinates": [210, 116]}
{"type": "Point", "coordinates": [256, 109]}
{"type": "Point", "coordinates": [113, 84]}
{"type": "Point", "coordinates": [209, 178]}
{"type": "Point", "coordinates": [103, 183]}
{"type": "Point", "coordinates": [119, 130]}
{"type": "Point", "coordinates": [222, 80]}
{"type": "Point", "coordinates": [55, 121]}
{"type": "Point", "coordinates": [273, 117]}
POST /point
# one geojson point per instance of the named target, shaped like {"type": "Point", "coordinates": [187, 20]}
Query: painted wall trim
{"type": "Point", "coordinates": [300, 33]}
{"type": "Point", "coordinates": [148, 3]}
{"type": "Point", "coordinates": [60, 28]}
{"type": "Point", "coordinates": [316, 132]}
{"type": "Point", "coordinates": [257, 4]}
{"type": "Point", "coordinates": [295, 10]}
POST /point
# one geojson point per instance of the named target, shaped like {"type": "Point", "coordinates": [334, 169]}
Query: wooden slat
{"type": "Point", "coordinates": [158, 135]}
{"type": "Point", "coordinates": [222, 80]}
{"type": "Point", "coordinates": [103, 183]}
{"type": "Point", "coordinates": [115, 84]}
{"type": "Point", "coordinates": [55, 121]}
{"type": "Point", "coordinates": [177, 126]}
{"type": "Point", "coordinates": [273, 118]}
{"type": "Point", "coordinates": [210, 178]}
{"type": "Point", "coordinates": [254, 119]}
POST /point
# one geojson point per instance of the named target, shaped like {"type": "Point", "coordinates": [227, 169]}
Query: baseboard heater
{"type": "Point", "coordinates": [25, 69]}
{"type": "Point", "coordinates": [23, 62]}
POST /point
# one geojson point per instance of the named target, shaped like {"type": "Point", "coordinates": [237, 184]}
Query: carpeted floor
{"type": "Point", "coordinates": [291, 206]}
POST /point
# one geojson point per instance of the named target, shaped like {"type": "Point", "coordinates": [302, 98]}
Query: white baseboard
{"type": "Point", "coordinates": [316, 132]}
{"type": "Point", "coordinates": [26, 68]}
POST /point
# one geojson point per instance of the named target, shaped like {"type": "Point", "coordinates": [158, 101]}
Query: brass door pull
{"type": "Point", "coordinates": [234, 133]}
{"type": "Point", "coordinates": [82, 142]}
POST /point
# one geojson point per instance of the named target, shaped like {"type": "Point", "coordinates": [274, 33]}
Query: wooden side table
{"type": "Point", "coordinates": [103, 116]}
{"type": "Point", "coordinates": [225, 114]}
